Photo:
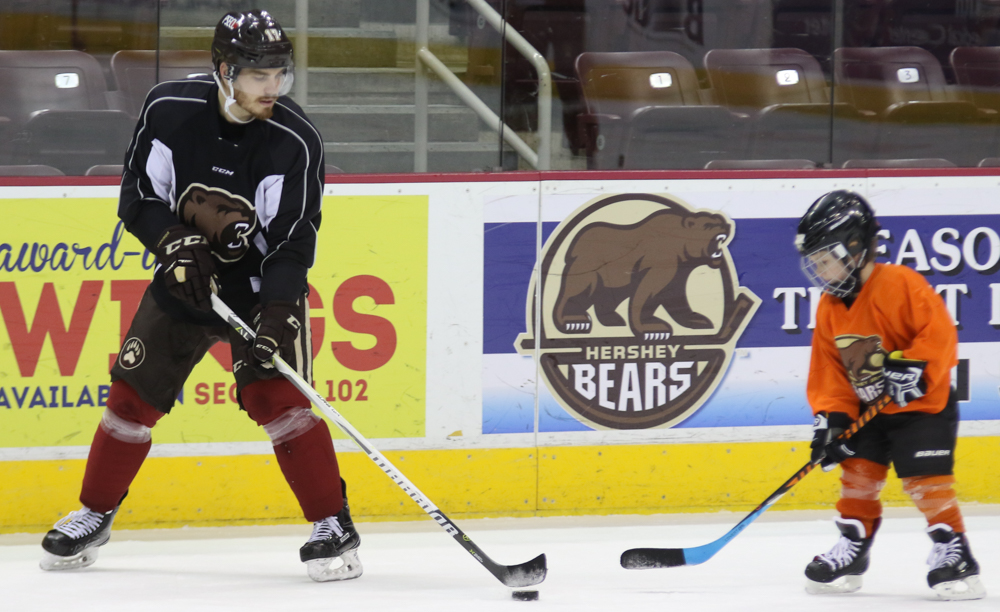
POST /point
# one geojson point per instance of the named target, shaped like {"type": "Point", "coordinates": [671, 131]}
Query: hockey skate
{"type": "Point", "coordinates": [72, 543]}
{"type": "Point", "coordinates": [954, 572]}
{"type": "Point", "coordinates": [333, 538]}
{"type": "Point", "coordinates": [840, 570]}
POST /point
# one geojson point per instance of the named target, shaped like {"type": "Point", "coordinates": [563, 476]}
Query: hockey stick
{"type": "Point", "coordinates": [651, 558]}
{"type": "Point", "coordinates": [525, 574]}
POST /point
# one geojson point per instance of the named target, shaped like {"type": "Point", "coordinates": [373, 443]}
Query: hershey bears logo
{"type": "Point", "coordinates": [227, 220]}
{"type": "Point", "coordinates": [132, 355]}
{"type": "Point", "coordinates": [641, 309]}
{"type": "Point", "coordinates": [863, 357]}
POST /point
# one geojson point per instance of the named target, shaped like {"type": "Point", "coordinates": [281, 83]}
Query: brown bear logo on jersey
{"type": "Point", "coordinates": [227, 220]}
{"type": "Point", "coordinates": [640, 313]}
{"type": "Point", "coordinates": [648, 263]}
{"type": "Point", "coordinates": [863, 357]}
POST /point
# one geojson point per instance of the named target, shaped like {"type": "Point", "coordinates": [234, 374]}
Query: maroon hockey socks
{"type": "Point", "coordinates": [301, 443]}
{"type": "Point", "coordinates": [120, 445]}
{"type": "Point", "coordinates": [309, 464]}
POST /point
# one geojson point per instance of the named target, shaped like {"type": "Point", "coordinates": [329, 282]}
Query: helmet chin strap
{"type": "Point", "coordinates": [230, 98]}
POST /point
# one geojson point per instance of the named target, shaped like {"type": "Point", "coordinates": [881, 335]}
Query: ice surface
{"type": "Point", "coordinates": [416, 566]}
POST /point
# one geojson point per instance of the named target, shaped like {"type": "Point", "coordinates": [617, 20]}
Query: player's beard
{"type": "Point", "coordinates": [247, 103]}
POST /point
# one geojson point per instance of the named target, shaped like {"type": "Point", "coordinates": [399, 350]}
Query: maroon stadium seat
{"type": "Point", "coordinates": [58, 103]}
{"type": "Point", "coordinates": [645, 110]}
{"type": "Point", "coordinates": [977, 72]}
{"type": "Point", "coordinates": [29, 170]}
{"type": "Point", "coordinates": [136, 72]}
{"type": "Point", "coordinates": [785, 94]}
{"type": "Point", "coordinates": [760, 164]}
{"type": "Point", "coordinates": [919, 116]}
{"type": "Point", "coordinates": [899, 163]}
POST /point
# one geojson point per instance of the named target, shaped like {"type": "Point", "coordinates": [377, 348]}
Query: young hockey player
{"type": "Point", "coordinates": [223, 182]}
{"type": "Point", "coordinates": [882, 334]}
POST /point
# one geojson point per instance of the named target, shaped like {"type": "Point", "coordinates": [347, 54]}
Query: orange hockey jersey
{"type": "Point", "coordinates": [896, 310]}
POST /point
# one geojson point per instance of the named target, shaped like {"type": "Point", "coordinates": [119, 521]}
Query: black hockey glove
{"type": "Point", "coordinates": [277, 327]}
{"type": "Point", "coordinates": [188, 266]}
{"type": "Point", "coordinates": [904, 378]}
{"type": "Point", "coordinates": [825, 447]}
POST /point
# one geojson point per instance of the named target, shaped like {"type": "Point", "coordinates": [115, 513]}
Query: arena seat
{"type": "Point", "coordinates": [989, 162]}
{"type": "Point", "coordinates": [58, 103]}
{"type": "Point", "coordinates": [977, 73]}
{"type": "Point", "coordinates": [136, 72]}
{"type": "Point", "coordinates": [899, 163]}
{"type": "Point", "coordinates": [919, 116]}
{"type": "Point", "coordinates": [49, 80]}
{"type": "Point", "coordinates": [73, 141]}
{"type": "Point", "coordinates": [761, 164]}
{"type": "Point", "coordinates": [29, 170]}
{"type": "Point", "coordinates": [784, 92]}
{"type": "Point", "coordinates": [645, 110]}
{"type": "Point", "coordinates": [105, 170]}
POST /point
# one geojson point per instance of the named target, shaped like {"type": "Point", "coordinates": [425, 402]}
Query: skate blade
{"type": "Point", "coordinates": [967, 588]}
{"type": "Point", "coordinates": [844, 584]}
{"type": "Point", "coordinates": [55, 563]}
{"type": "Point", "coordinates": [350, 567]}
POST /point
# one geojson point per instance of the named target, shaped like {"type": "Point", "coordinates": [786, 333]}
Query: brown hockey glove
{"type": "Point", "coordinates": [904, 378]}
{"type": "Point", "coordinates": [826, 449]}
{"type": "Point", "coordinates": [188, 266]}
{"type": "Point", "coordinates": [277, 327]}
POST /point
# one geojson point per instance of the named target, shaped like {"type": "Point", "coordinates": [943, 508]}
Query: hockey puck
{"type": "Point", "coordinates": [525, 595]}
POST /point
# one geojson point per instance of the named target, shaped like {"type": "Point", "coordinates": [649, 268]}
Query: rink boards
{"type": "Point", "coordinates": [424, 320]}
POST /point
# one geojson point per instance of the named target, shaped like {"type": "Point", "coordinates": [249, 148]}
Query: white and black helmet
{"type": "Point", "coordinates": [834, 237]}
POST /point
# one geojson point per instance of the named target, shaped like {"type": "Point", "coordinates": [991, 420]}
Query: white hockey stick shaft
{"type": "Point", "coordinates": [331, 413]}
{"type": "Point", "coordinates": [525, 574]}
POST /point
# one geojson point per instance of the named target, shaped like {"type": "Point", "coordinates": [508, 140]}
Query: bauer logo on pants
{"type": "Point", "coordinates": [641, 310]}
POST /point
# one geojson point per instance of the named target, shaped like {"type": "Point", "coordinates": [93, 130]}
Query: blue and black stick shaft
{"type": "Point", "coordinates": [652, 558]}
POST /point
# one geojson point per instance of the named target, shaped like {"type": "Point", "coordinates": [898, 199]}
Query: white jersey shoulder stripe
{"type": "Point", "coordinates": [142, 128]}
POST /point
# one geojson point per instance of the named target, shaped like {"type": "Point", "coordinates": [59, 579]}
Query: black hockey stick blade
{"type": "Point", "coordinates": [526, 574]}
{"type": "Point", "coordinates": [652, 558]}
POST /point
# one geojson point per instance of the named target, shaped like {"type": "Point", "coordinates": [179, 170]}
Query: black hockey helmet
{"type": "Point", "coordinates": [251, 39]}
{"type": "Point", "coordinates": [834, 237]}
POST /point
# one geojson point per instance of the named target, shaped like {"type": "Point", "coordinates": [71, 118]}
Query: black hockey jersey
{"type": "Point", "coordinates": [254, 190]}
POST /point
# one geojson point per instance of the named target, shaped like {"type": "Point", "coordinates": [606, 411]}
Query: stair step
{"type": "Point", "coordinates": [388, 123]}
{"type": "Point", "coordinates": [398, 157]}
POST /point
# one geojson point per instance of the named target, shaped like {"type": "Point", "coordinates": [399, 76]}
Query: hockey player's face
{"type": "Point", "coordinates": [830, 266]}
{"type": "Point", "coordinates": [258, 89]}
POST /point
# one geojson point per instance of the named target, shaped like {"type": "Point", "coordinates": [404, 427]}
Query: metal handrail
{"type": "Point", "coordinates": [540, 160]}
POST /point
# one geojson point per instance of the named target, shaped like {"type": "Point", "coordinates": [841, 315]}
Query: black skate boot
{"type": "Point", "coordinates": [72, 543]}
{"type": "Point", "coordinates": [332, 538]}
{"type": "Point", "coordinates": [839, 571]}
{"type": "Point", "coordinates": [954, 572]}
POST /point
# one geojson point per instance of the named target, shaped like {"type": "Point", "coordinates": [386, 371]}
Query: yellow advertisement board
{"type": "Point", "coordinates": [71, 279]}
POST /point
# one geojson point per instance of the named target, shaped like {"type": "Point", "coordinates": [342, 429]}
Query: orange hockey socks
{"type": "Point", "coordinates": [935, 497]}
{"type": "Point", "coordinates": [861, 484]}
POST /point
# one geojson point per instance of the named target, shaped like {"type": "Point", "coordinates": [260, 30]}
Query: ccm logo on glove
{"type": "Point", "coordinates": [277, 328]}
{"type": "Point", "coordinates": [188, 266]}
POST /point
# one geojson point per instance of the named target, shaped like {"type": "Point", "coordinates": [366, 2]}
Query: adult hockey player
{"type": "Point", "coordinates": [882, 334]}
{"type": "Point", "coordinates": [223, 182]}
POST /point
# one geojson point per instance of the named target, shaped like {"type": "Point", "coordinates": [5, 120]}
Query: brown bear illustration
{"type": "Point", "coordinates": [862, 357]}
{"type": "Point", "coordinates": [225, 219]}
{"type": "Point", "coordinates": [648, 262]}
